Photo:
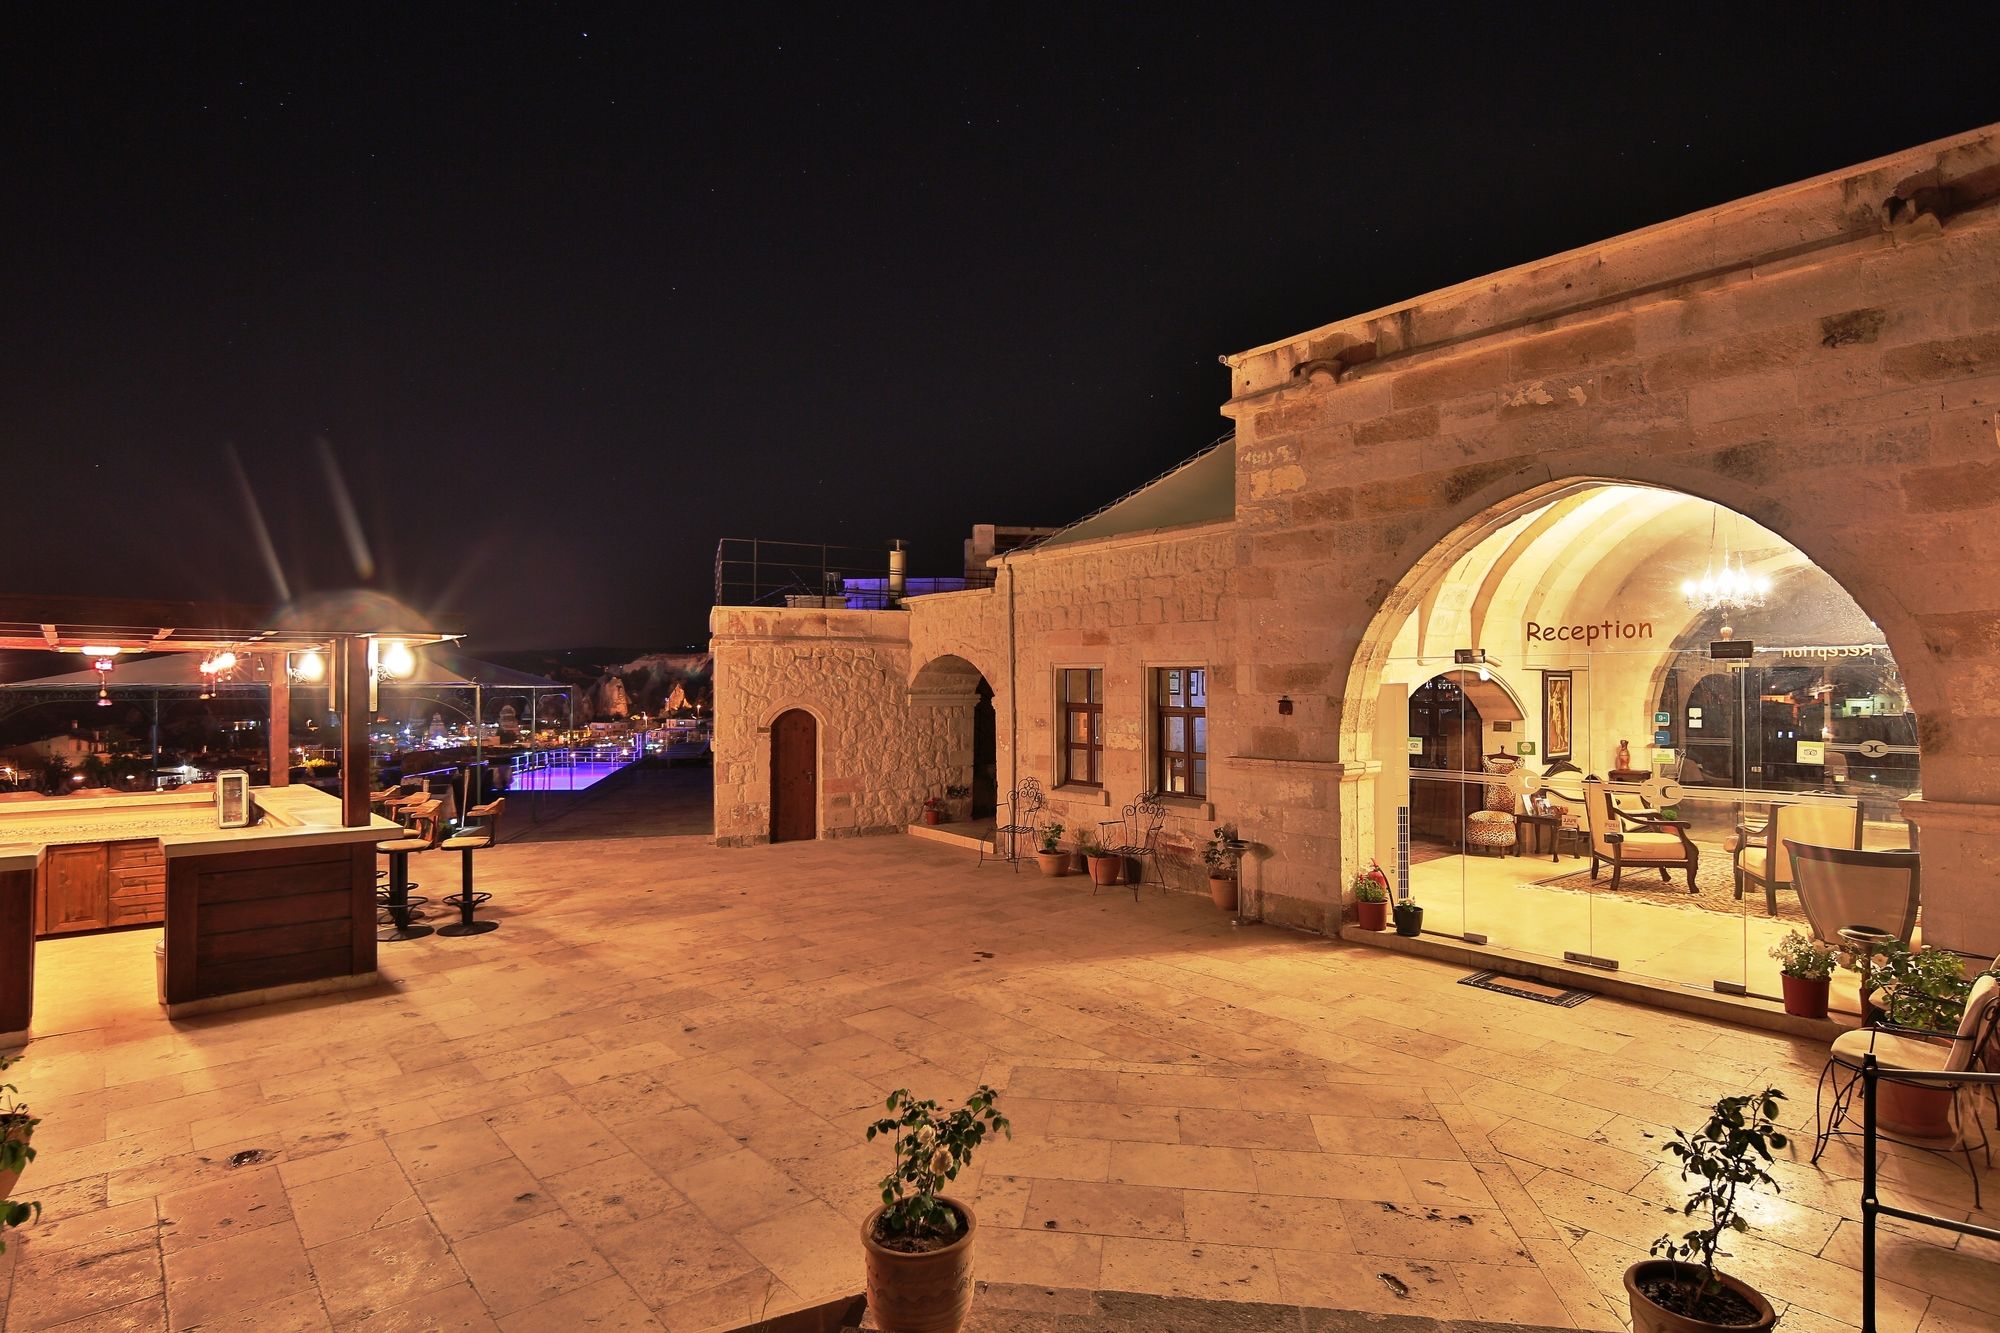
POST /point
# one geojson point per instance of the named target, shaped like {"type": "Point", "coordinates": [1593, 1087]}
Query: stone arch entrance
{"type": "Point", "coordinates": [794, 776]}
{"type": "Point", "coordinates": [1576, 591]}
{"type": "Point", "coordinates": [954, 700]}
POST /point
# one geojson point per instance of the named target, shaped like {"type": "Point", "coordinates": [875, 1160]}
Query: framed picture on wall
{"type": "Point", "coordinates": [1555, 715]}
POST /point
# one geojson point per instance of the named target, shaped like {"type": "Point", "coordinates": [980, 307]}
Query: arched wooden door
{"type": "Point", "coordinates": [794, 777]}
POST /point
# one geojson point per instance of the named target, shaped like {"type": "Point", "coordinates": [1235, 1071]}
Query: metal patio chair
{"type": "Point", "coordinates": [1135, 835]}
{"type": "Point", "coordinates": [1024, 814]}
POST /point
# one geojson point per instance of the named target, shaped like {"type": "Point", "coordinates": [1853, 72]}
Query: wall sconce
{"type": "Point", "coordinates": [1284, 705]}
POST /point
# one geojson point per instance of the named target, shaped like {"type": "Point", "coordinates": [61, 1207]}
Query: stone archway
{"type": "Point", "coordinates": [1462, 549]}
{"type": "Point", "coordinates": [952, 700]}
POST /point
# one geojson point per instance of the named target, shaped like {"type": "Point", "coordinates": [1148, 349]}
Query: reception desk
{"type": "Point", "coordinates": [282, 907]}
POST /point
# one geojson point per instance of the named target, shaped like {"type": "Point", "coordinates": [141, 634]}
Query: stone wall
{"type": "Point", "coordinates": [879, 756]}
{"type": "Point", "coordinates": [1824, 359]}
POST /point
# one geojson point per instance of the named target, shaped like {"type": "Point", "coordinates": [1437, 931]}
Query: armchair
{"type": "Point", "coordinates": [1762, 855]}
{"type": "Point", "coordinates": [1641, 839]}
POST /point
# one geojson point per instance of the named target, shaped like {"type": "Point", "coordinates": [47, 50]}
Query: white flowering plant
{"type": "Point", "coordinates": [931, 1150]}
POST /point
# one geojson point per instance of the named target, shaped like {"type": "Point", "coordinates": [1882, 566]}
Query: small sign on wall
{"type": "Point", "coordinates": [1524, 747]}
{"type": "Point", "coordinates": [1663, 719]}
{"type": "Point", "coordinates": [1663, 737]}
{"type": "Point", "coordinates": [1812, 752]}
{"type": "Point", "coordinates": [1416, 745]}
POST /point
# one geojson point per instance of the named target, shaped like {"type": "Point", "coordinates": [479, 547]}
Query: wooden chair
{"type": "Point", "coordinates": [1640, 839]}
{"type": "Point", "coordinates": [1762, 857]}
{"type": "Point", "coordinates": [1135, 835]}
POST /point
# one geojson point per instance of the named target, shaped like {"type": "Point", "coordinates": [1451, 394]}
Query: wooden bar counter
{"type": "Point", "coordinates": [282, 907]}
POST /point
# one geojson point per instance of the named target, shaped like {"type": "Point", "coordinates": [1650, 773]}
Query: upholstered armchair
{"type": "Point", "coordinates": [1762, 858]}
{"type": "Point", "coordinates": [1640, 839]}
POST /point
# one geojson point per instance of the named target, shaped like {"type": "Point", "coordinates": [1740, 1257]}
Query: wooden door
{"type": "Point", "coordinates": [794, 777]}
{"type": "Point", "coordinates": [76, 889]}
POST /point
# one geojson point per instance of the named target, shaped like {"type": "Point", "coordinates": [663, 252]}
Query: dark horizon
{"type": "Point", "coordinates": [572, 293]}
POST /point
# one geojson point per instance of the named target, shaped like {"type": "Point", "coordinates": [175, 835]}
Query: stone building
{"type": "Point", "coordinates": [1467, 533]}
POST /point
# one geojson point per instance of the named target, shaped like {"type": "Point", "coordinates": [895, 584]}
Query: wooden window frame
{"type": "Point", "coordinates": [1092, 709]}
{"type": "Point", "coordinates": [1162, 754]}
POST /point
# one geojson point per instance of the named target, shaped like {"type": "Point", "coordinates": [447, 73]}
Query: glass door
{"type": "Point", "coordinates": [1665, 733]}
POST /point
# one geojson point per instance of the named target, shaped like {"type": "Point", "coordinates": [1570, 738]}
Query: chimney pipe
{"type": "Point", "coordinates": [898, 559]}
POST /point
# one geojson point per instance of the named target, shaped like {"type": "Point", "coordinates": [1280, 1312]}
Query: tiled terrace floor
{"type": "Point", "coordinates": [639, 1104]}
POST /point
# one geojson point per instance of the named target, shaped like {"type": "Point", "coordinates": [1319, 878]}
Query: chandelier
{"type": "Point", "coordinates": [1730, 587]}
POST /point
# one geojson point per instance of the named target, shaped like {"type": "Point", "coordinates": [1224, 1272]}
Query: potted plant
{"type": "Point", "coordinates": [1678, 1290]}
{"type": "Point", "coordinates": [1922, 993]}
{"type": "Point", "coordinates": [957, 803]}
{"type": "Point", "coordinates": [917, 1247]}
{"type": "Point", "coordinates": [1105, 866]}
{"type": "Point", "coordinates": [17, 1127]}
{"type": "Point", "coordinates": [1223, 856]}
{"type": "Point", "coordinates": [1409, 917]}
{"type": "Point", "coordinates": [1371, 898]}
{"type": "Point", "coordinates": [1805, 970]}
{"type": "Point", "coordinates": [1051, 858]}
{"type": "Point", "coordinates": [934, 809]}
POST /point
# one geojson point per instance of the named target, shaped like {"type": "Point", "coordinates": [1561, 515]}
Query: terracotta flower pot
{"type": "Point", "coordinates": [1054, 864]}
{"type": "Point", "coordinates": [1222, 888]}
{"type": "Point", "coordinates": [1910, 1111]}
{"type": "Point", "coordinates": [1372, 916]}
{"type": "Point", "coordinates": [1805, 997]}
{"type": "Point", "coordinates": [920, 1293]}
{"type": "Point", "coordinates": [1079, 863]}
{"type": "Point", "coordinates": [933, 816]}
{"type": "Point", "coordinates": [1648, 1317]}
{"type": "Point", "coordinates": [1106, 869]}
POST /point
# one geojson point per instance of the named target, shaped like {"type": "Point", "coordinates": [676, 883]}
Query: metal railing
{"type": "Point", "coordinates": [752, 571]}
{"type": "Point", "coordinates": [1871, 1206]}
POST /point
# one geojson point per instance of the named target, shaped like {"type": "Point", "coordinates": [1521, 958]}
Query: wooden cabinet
{"type": "Point", "coordinates": [95, 885]}
{"type": "Point", "coordinates": [75, 889]}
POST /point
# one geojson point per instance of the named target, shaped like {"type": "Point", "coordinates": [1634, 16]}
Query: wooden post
{"type": "Point", "coordinates": [350, 653]}
{"type": "Point", "coordinates": [281, 718]}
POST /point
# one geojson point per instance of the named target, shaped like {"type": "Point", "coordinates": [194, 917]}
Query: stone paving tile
{"type": "Point", "coordinates": [639, 1105]}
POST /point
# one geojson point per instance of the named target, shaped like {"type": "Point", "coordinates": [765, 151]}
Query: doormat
{"type": "Point", "coordinates": [1526, 989]}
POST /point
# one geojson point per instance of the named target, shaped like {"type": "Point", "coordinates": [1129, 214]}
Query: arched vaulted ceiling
{"type": "Point", "coordinates": [1597, 551]}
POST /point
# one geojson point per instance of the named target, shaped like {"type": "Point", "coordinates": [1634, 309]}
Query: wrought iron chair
{"type": "Point", "coordinates": [1897, 1048]}
{"type": "Point", "coordinates": [1024, 811]}
{"type": "Point", "coordinates": [1135, 835]}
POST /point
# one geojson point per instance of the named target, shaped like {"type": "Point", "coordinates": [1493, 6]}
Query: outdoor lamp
{"type": "Point", "coordinates": [397, 659]}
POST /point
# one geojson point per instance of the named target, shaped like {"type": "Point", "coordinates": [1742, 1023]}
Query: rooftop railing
{"type": "Point", "coordinates": [754, 571]}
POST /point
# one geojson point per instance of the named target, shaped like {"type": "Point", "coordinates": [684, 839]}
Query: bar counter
{"type": "Point", "coordinates": [281, 907]}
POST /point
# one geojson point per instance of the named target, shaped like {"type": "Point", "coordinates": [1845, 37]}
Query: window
{"type": "Point", "coordinates": [1082, 693]}
{"type": "Point", "coordinates": [1180, 702]}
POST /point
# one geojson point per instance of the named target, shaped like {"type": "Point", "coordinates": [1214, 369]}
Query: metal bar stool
{"type": "Point", "coordinates": [474, 838]}
{"type": "Point", "coordinates": [397, 899]}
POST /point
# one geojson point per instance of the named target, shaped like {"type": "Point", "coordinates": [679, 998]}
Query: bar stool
{"type": "Point", "coordinates": [397, 898]}
{"type": "Point", "coordinates": [474, 837]}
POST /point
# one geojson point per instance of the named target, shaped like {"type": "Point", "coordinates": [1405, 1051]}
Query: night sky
{"type": "Point", "coordinates": [570, 292]}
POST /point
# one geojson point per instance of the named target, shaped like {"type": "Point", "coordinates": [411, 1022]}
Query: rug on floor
{"type": "Point", "coordinates": [1523, 988]}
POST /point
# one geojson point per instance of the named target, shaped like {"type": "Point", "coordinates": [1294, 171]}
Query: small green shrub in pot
{"type": "Point", "coordinates": [1922, 988]}
{"type": "Point", "coordinates": [1679, 1285]}
{"type": "Point", "coordinates": [917, 1247]}
{"type": "Point", "coordinates": [1371, 897]}
{"type": "Point", "coordinates": [17, 1128]}
{"type": "Point", "coordinates": [1805, 966]}
{"type": "Point", "coordinates": [1050, 836]}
